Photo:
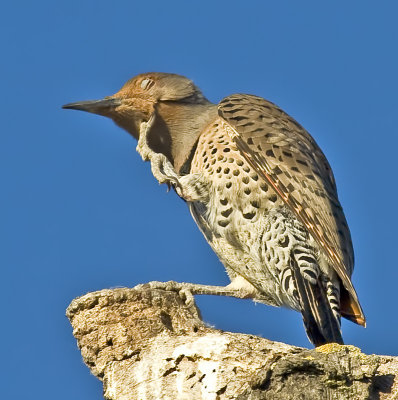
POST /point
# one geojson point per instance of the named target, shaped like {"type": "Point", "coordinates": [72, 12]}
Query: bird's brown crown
{"type": "Point", "coordinates": [159, 86]}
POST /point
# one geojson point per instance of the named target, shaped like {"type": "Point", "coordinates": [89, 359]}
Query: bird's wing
{"type": "Point", "coordinates": [285, 155]}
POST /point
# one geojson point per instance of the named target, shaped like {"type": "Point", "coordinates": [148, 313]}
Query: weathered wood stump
{"type": "Point", "coordinates": [149, 344]}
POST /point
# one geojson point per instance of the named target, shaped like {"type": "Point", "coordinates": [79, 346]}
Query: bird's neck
{"type": "Point", "coordinates": [177, 129]}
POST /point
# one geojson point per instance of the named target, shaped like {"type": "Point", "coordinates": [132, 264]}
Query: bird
{"type": "Point", "coordinates": [259, 188]}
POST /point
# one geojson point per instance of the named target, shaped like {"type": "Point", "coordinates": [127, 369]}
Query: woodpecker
{"type": "Point", "coordinates": [259, 188]}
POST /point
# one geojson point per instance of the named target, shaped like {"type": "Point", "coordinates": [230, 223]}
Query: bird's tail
{"type": "Point", "coordinates": [320, 322]}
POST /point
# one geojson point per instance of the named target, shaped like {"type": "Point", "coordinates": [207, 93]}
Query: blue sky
{"type": "Point", "coordinates": [80, 211]}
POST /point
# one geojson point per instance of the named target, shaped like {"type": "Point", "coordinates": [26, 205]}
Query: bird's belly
{"type": "Point", "coordinates": [256, 248]}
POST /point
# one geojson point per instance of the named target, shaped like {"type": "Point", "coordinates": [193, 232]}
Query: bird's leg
{"type": "Point", "coordinates": [190, 187]}
{"type": "Point", "coordinates": [190, 289]}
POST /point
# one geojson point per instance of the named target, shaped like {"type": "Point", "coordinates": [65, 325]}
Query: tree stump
{"type": "Point", "coordinates": [149, 344]}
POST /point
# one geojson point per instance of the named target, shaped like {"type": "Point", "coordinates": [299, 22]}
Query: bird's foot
{"type": "Point", "coordinates": [196, 289]}
{"type": "Point", "coordinates": [192, 187]}
{"type": "Point", "coordinates": [181, 288]}
{"type": "Point", "coordinates": [189, 187]}
{"type": "Point", "coordinates": [163, 170]}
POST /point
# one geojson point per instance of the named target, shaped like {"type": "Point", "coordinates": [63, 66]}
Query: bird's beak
{"type": "Point", "coordinates": [101, 107]}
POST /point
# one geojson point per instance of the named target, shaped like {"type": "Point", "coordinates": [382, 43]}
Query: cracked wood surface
{"type": "Point", "coordinates": [151, 344]}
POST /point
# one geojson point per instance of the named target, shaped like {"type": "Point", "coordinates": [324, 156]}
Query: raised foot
{"type": "Point", "coordinates": [191, 187]}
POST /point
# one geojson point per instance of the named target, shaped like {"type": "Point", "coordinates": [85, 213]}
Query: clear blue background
{"type": "Point", "coordinates": [80, 211]}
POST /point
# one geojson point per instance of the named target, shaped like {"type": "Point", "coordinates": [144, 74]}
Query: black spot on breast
{"type": "Point", "coordinates": [249, 215]}
{"type": "Point", "coordinates": [264, 187]}
{"type": "Point", "coordinates": [247, 191]}
{"type": "Point", "coordinates": [236, 172]}
{"type": "Point", "coordinates": [224, 202]}
{"type": "Point", "coordinates": [255, 204]}
{"type": "Point", "coordinates": [226, 170]}
{"type": "Point", "coordinates": [273, 198]}
{"type": "Point", "coordinates": [226, 213]}
{"type": "Point", "coordinates": [295, 169]}
{"type": "Point", "coordinates": [254, 177]}
{"type": "Point", "coordinates": [226, 150]}
{"type": "Point", "coordinates": [249, 140]}
{"type": "Point", "coordinates": [214, 151]}
{"type": "Point", "coordinates": [228, 185]}
{"type": "Point", "coordinates": [223, 223]}
{"type": "Point", "coordinates": [239, 163]}
{"type": "Point", "coordinates": [218, 170]}
{"type": "Point", "coordinates": [245, 179]}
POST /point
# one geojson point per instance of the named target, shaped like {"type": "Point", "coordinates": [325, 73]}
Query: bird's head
{"type": "Point", "coordinates": [137, 100]}
{"type": "Point", "coordinates": [179, 108]}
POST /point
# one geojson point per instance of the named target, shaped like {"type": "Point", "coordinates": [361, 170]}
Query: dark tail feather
{"type": "Point", "coordinates": [321, 325]}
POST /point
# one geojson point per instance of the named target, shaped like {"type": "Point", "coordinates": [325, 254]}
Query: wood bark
{"type": "Point", "coordinates": [149, 344]}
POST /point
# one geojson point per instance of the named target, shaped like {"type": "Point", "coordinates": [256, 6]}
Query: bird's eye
{"type": "Point", "coordinates": [147, 83]}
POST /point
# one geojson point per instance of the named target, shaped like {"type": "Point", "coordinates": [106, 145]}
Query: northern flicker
{"type": "Point", "coordinates": [259, 188]}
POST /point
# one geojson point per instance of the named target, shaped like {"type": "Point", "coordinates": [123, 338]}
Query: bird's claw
{"type": "Point", "coordinates": [171, 286]}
